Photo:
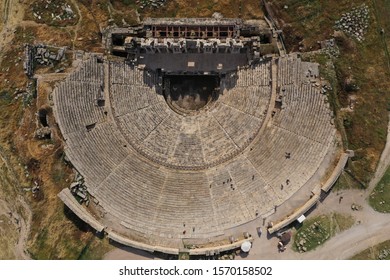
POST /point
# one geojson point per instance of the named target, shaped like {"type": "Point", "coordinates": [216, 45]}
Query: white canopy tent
{"type": "Point", "coordinates": [246, 246]}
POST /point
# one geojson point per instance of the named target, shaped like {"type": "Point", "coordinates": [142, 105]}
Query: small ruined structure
{"type": "Point", "coordinates": [41, 55]}
{"type": "Point", "coordinates": [154, 4]}
{"type": "Point", "coordinates": [43, 133]}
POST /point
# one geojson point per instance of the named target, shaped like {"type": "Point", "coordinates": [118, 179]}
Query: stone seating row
{"type": "Point", "coordinates": [80, 107]}
{"type": "Point", "coordinates": [122, 73]}
{"type": "Point", "coordinates": [256, 75]}
{"type": "Point", "coordinates": [285, 174]}
{"type": "Point", "coordinates": [252, 100]}
{"type": "Point", "coordinates": [90, 70]}
{"type": "Point", "coordinates": [305, 112]}
{"type": "Point", "coordinates": [291, 70]}
{"type": "Point", "coordinates": [130, 98]}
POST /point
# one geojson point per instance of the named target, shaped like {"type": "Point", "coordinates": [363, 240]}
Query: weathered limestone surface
{"type": "Point", "coordinates": [167, 175]}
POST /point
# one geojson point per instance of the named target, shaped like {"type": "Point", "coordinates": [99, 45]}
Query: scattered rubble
{"type": "Point", "coordinates": [44, 56]}
{"type": "Point", "coordinates": [151, 3]}
{"type": "Point", "coordinates": [217, 15]}
{"type": "Point", "coordinates": [355, 23]}
{"type": "Point", "coordinates": [26, 94]}
{"type": "Point", "coordinates": [54, 10]}
{"type": "Point", "coordinates": [43, 133]}
{"type": "Point", "coordinates": [35, 189]}
{"type": "Point", "coordinates": [325, 88]}
{"type": "Point", "coordinates": [79, 190]}
{"type": "Point", "coordinates": [356, 207]}
{"type": "Point", "coordinates": [329, 47]}
{"type": "Point", "coordinates": [384, 254]}
{"type": "Point", "coordinates": [28, 64]}
{"type": "Point", "coordinates": [316, 230]}
{"type": "Point", "coordinates": [41, 55]}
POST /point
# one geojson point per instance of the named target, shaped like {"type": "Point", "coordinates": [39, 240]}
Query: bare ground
{"type": "Point", "coordinates": [12, 15]}
{"type": "Point", "coordinates": [127, 253]}
{"type": "Point", "coordinates": [22, 221]}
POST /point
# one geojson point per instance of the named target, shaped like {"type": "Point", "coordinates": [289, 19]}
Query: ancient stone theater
{"type": "Point", "coordinates": [188, 132]}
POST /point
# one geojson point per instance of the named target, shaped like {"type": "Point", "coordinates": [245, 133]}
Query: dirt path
{"type": "Point", "coordinates": [126, 253]}
{"type": "Point", "coordinates": [76, 29]}
{"type": "Point", "coordinates": [21, 220]}
{"type": "Point", "coordinates": [12, 14]}
{"type": "Point", "coordinates": [383, 164]}
{"type": "Point", "coordinates": [25, 224]}
{"type": "Point", "coordinates": [371, 228]}
{"type": "Point", "coordinates": [5, 11]}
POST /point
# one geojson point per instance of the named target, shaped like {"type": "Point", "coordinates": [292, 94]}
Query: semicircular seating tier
{"type": "Point", "coordinates": [157, 173]}
{"type": "Point", "coordinates": [189, 142]}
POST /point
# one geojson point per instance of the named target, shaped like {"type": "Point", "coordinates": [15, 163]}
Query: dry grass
{"type": "Point", "coordinates": [373, 252]}
{"type": "Point", "coordinates": [8, 237]}
{"type": "Point", "coordinates": [12, 175]}
{"type": "Point", "coordinates": [55, 232]}
{"type": "Point", "coordinates": [317, 230]}
{"type": "Point", "coordinates": [305, 23]}
{"type": "Point", "coordinates": [90, 26]}
{"type": "Point", "coordinates": [345, 182]}
{"type": "Point", "coordinates": [380, 197]}
{"type": "Point", "coordinates": [201, 8]}
{"type": "Point", "coordinates": [8, 230]}
{"type": "Point", "coordinates": [42, 12]}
